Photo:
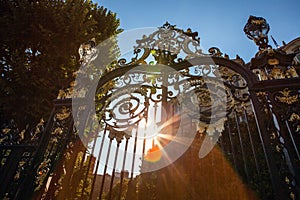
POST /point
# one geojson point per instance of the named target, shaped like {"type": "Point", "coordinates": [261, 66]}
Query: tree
{"type": "Point", "coordinates": [39, 43]}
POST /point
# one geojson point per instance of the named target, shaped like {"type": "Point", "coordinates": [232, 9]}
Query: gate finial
{"type": "Point", "coordinates": [167, 44]}
{"type": "Point", "coordinates": [257, 30]}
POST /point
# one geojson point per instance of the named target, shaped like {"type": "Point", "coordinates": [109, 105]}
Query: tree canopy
{"type": "Point", "coordinates": [39, 43]}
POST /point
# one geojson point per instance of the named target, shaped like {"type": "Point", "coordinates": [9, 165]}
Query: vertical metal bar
{"type": "Point", "coordinates": [232, 146]}
{"type": "Point", "coordinates": [134, 152]}
{"type": "Point", "coordinates": [57, 148]}
{"type": "Point", "coordinates": [15, 157]}
{"type": "Point", "coordinates": [80, 168]}
{"type": "Point", "coordinates": [241, 144]}
{"type": "Point", "coordinates": [84, 142]}
{"type": "Point", "coordinates": [123, 168]}
{"type": "Point", "coordinates": [284, 132]}
{"type": "Point", "coordinates": [60, 147]}
{"type": "Point", "coordinates": [251, 143]}
{"type": "Point", "coordinates": [45, 137]}
{"type": "Point", "coordinates": [113, 172]}
{"type": "Point", "coordinates": [145, 131]}
{"type": "Point", "coordinates": [2, 157]}
{"type": "Point", "coordinates": [95, 135]}
{"type": "Point", "coordinates": [222, 152]}
{"type": "Point", "coordinates": [171, 117]}
{"type": "Point", "coordinates": [81, 128]}
{"type": "Point", "coordinates": [266, 145]}
{"type": "Point", "coordinates": [292, 139]}
{"type": "Point", "coordinates": [98, 162]}
{"type": "Point", "coordinates": [164, 99]}
{"type": "Point", "coordinates": [155, 112]}
{"type": "Point", "coordinates": [105, 169]}
{"type": "Point", "coordinates": [144, 145]}
{"type": "Point", "coordinates": [7, 165]}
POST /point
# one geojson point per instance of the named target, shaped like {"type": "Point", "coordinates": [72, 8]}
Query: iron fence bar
{"type": "Point", "coordinates": [251, 143]}
{"type": "Point", "coordinates": [134, 152]}
{"type": "Point", "coordinates": [59, 150]}
{"type": "Point", "coordinates": [81, 129]}
{"type": "Point", "coordinates": [69, 174]}
{"type": "Point", "coordinates": [290, 155]}
{"type": "Point", "coordinates": [292, 139]}
{"type": "Point", "coordinates": [288, 139]}
{"type": "Point", "coordinates": [241, 145]}
{"type": "Point", "coordinates": [266, 145]}
{"type": "Point", "coordinates": [17, 192]}
{"type": "Point", "coordinates": [113, 172]}
{"type": "Point", "coordinates": [123, 168]}
{"type": "Point", "coordinates": [91, 154]}
{"type": "Point", "coordinates": [285, 132]}
{"type": "Point", "coordinates": [232, 146]}
{"type": "Point", "coordinates": [4, 156]}
{"type": "Point", "coordinates": [11, 168]}
{"type": "Point", "coordinates": [98, 162]}
{"type": "Point", "coordinates": [68, 179]}
{"type": "Point", "coordinates": [61, 147]}
{"type": "Point", "coordinates": [145, 132]}
{"type": "Point", "coordinates": [105, 168]}
{"type": "Point", "coordinates": [29, 182]}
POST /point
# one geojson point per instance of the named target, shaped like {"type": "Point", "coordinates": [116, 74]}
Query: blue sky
{"type": "Point", "coordinates": [219, 22]}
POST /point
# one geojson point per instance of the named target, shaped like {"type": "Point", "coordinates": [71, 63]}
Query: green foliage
{"type": "Point", "coordinates": [39, 43]}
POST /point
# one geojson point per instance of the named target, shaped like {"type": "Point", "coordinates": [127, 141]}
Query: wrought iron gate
{"type": "Point", "coordinates": [173, 123]}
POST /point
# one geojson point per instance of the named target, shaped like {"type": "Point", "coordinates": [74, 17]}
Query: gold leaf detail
{"type": "Point", "coordinates": [277, 73]}
{"type": "Point", "coordinates": [294, 117]}
{"type": "Point", "coordinates": [17, 176]}
{"type": "Point", "coordinates": [64, 114]}
{"type": "Point", "coordinates": [298, 128]}
{"type": "Point", "coordinates": [5, 130]}
{"type": "Point", "coordinates": [42, 173]}
{"type": "Point", "coordinates": [273, 61]}
{"type": "Point", "coordinates": [211, 129]}
{"type": "Point", "coordinates": [287, 98]}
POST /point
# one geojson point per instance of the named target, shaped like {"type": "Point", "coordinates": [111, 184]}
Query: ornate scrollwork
{"type": "Point", "coordinates": [233, 81]}
{"type": "Point", "coordinates": [286, 97]}
{"type": "Point", "coordinates": [165, 45]}
{"type": "Point", "coordinates": [127, 103]}
{"type": "Point", "coordinates": [118, 135]}
{"type": "Point", "coordinates": [23, 163]}
{"type": "Point", "coordinates": [37, 131]}
{"type": "Point", "coordinates": [276, 72]}
{"type": "Point", "coordinates": [58, 132]}
{"type": "Point", "coordinates": [63, 114]}
{"type": "Point", "coordinates": [214, 51]}
{"type": "Point", "coordinates": [10, 134]}
{"type": "Point", "coordinates": [211, 129]}
{"type": "Point", "coordinates": [295, 119]}
{"type": "Point", "coordinates": [124, 110]}
{"type": "Point", "coordinates": [42, 173]}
